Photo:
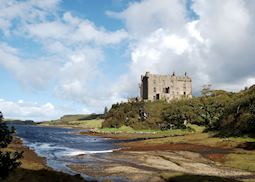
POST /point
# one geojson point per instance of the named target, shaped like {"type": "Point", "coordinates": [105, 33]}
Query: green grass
{"type": "Point", "coordinates": [127, 129]}
{"type": "Point", "coordinates": [244, 161]}
{"type": "Point", "coordinates": [193, 135]}
{"type": "Point", "coordinates": [191, 128]}
{"type": "Point", "coordinates": [95, 123]}
{"type": "Point", "coordinates": [113, 130]}
{"type": "Point", "coordinates": [76, 117]}
{"type": "Point", "coordinates": [207, 139]}
{"type": "Point", "coordinates": [196, 128]}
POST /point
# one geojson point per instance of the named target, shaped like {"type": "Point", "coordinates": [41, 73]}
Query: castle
{"type": "Point", "coordinates": [165, 87]}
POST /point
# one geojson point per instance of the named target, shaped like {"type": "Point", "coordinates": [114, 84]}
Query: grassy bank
{"type": "Point", "coordinates": [126, 129]}
{"type": "Point", "coordinates": [244, 160]}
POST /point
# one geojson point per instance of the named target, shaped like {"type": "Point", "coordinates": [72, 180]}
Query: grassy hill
{"type": "Point", "coordinates": [226, 112]}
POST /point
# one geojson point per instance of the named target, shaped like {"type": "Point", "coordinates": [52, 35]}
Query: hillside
{"type": "Point", "coordinates": [217, 110]}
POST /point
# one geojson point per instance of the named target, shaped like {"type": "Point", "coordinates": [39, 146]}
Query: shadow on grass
{"type": "Point", "coordinates": [44, 175]}
{"type": "Point", "coordinates": [247, 146]}
{"type": "Point", "coordinates": [225, 133]}
{"type": "Point", "coordinates": [197, 178]}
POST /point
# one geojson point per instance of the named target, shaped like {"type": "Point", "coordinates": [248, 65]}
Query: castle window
{"type": "Point", "coordinates": [157, 97]}
{"type": "Point", "coordinates": [154, 89]}
{"type": "Point", "coordinates": [184, 93]}
{"type": "Point", "coordinates": [167, 90]}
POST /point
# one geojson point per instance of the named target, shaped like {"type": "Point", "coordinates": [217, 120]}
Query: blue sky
{"type": "Point", "coordinates": [65, 57]}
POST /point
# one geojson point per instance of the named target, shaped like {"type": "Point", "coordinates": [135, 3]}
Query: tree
{"type": "Point", "coordinates": [9, 161]}
{"type": "Point", "coordinates": [177, 115]}
{"type": "Point", "coordinates": [105, 110]}
{"type": "Point", "coordinates": [211, 106]}
{"type": "Point", "coordinates": [209, 110]}
{"type": "Point", "coordinates": [239, 116]}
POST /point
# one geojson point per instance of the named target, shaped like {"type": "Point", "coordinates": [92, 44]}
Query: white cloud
{"type": "Point", "coordinates": [78, 73]}
{"type": "Point", "coordinates": [53, 30]}
{"type": "Point", "coordinates": [73, 30]}
{"type": "Point", "coordinates": [236, 86]}
{"type": "Point", "coordinates": [229, 30]}
{"type": "Point", "coordinates": [30, 73]}
{"type": "Point", "coordinates": [146, 16]}
{"type": "Point", "coordinates": [216, 48]}
{"type": "Point", "coordinates": [28, 11]}
{"type": "Point", "coordinates": [27, 110]}
{"type": "Point", "coordinates": [73, 49]}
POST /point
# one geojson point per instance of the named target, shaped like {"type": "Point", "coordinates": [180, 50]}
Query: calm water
{"type": "Point", "coordinates": [60, 146]}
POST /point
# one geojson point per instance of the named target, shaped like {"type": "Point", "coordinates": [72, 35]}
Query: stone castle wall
{"type": "Point", "coordinates": [165, 87]}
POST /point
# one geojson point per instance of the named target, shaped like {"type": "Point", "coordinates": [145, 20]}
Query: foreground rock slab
{"type": "Point", "coordinates": [139, 166]}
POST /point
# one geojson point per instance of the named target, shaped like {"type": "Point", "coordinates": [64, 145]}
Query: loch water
{"type": "Point", "coordinates": [61, 146]}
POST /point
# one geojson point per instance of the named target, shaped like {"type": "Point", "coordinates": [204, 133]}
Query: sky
{"type": "Point", "coordinates": [66, 57]}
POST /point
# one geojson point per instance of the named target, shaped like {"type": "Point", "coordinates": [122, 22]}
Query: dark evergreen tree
{"type": "Point", "coordinates": [9, 161]}
{"type": "Point", "coordinates": [105, 110]}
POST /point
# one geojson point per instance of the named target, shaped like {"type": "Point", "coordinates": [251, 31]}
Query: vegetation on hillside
{"type": "Point", "coordinates": [239, 115]}
{"type": "Point", "coordinates": [217, 110]}
{"type": "Point", "coordinates": [138, 115]}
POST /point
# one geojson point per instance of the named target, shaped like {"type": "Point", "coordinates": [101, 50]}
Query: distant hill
{"type": "Point", "coordinates": [17, 121]}
{"type": "Point", "coordinates": [80, 117]}
{"type": "Point", "coordinates": [76, 120]}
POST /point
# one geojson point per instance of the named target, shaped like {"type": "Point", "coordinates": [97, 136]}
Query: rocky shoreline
{"type": "Point", "coordinates": [34, 168]}
{"type": "Point", "coordinates": [144, 157]}
{"type": "Point", "coordinates": [140, 160]}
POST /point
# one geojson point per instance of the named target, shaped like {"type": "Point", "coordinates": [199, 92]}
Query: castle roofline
{"type": "Point", "coordinates": [185, 76]}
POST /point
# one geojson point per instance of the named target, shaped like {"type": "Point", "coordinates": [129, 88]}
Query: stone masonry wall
{"type": "Point", "coordinates": [165, 87]}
